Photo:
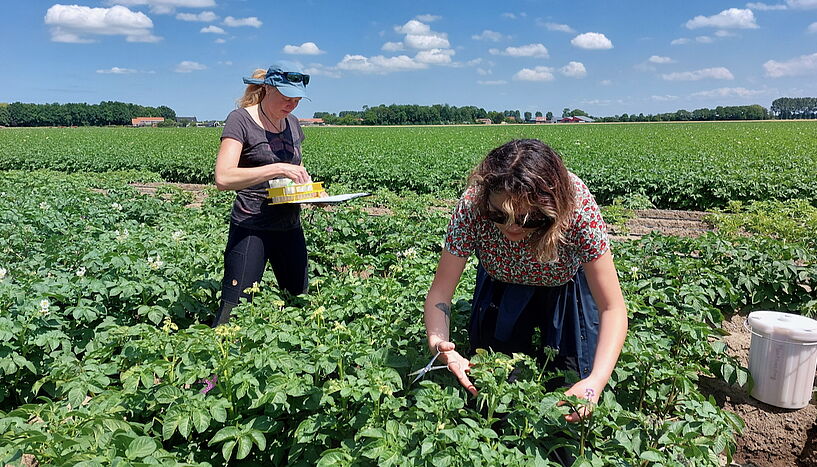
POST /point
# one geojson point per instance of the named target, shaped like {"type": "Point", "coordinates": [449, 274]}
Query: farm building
{"type": "Point", "coordinates": [146, 121]}
{"type": "Point", "coordinates": [576, 120]}
{"type": "Point", "coordinates": [311, 121]}
{"type": "Point", "coordinates": [485, 121]}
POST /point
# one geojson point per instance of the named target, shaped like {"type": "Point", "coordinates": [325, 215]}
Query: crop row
{"type": "Point", "coordinates": [102, 359]}
{"type": "Point", "coordinates": [695, 165]}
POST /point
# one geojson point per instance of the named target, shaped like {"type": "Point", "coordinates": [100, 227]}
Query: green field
{"type": "Point", "coordinates": [694, 165]}
{"type": "Point", "coordinates": [105, 297]}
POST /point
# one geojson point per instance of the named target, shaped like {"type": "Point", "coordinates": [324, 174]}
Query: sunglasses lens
{"type": "Point", "coordinates": [293, 77]}
{"type": "Point", "coordinates": [497, 216]}
{"type": "Point", "coordinates": [537, 222]}
{"type": "Point", "coordinates": [529, 222]}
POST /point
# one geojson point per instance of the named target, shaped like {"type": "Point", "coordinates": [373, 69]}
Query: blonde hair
{"type": "Point", "coordinates": [533, 175]}
{"type": "Point", "coordinates": [254, 93]}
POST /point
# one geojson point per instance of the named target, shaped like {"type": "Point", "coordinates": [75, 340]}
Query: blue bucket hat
{"type": "Point", "coordinates": [287, 77]}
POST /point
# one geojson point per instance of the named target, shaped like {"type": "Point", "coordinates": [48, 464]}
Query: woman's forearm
{"type": "Point", "coordinates": [612, 332]}
{"type": "Point", "coordinates": [437, 318]}
{"type": "Point", "coordinates": [437, 308]}
{"type": "Point", "coordinates": [238, 178]}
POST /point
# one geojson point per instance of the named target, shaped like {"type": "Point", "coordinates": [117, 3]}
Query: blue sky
{"type": "Point", "coordinates": [605, 57]}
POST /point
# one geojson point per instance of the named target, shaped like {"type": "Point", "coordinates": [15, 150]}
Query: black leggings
{"type": "Point", "coordinates": [246, 257]}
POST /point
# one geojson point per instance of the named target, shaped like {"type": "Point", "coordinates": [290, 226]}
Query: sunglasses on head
{"type": "Point", "coordinates": [294, 77]}
{"type": "Point", "coordinates": [528, 221]}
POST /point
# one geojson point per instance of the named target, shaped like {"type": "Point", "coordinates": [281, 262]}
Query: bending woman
{"type": "Point", "coordinates": [544, 262]}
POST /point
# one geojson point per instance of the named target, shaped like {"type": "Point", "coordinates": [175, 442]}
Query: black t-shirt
{"type": "Point", "coordinates": [251, 208]}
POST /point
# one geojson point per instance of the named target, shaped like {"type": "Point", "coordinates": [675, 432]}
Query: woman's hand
{"type": "Point", "coordinates": [457, 364]}
{"type": "Point", "coordinates": [296, 173]}
{"type": "Point", "coordinates": [586, 389]}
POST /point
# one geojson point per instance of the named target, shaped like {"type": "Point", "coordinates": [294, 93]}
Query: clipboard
{"type": "Point", "coordinates": [335, 199]}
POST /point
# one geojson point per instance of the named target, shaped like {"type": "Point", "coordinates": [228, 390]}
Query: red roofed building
{"type": "Point", "coordinates": [578, 119]}
{"type": "Point", "coordinates": [146, 121]}
{"type": "Point", "coordinates": [310, 121]}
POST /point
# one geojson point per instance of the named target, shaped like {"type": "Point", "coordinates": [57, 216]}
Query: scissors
{"type": "Point", "coordinates": [422, 371]}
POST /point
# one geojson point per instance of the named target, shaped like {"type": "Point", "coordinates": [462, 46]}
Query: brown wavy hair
{"type": "Point", "coordinates": [533, 176]}
{"type": "Point", "coordinates": [254, 93]}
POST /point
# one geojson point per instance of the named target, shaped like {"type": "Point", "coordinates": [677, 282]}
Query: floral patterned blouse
{"type": "Point", "coordinates": [513, 262]}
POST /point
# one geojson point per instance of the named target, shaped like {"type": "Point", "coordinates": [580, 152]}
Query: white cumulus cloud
{"type": "Point", "coordinates": [76, 24]}
{"type": "Point", "coordinates": [680, 41]}
{"type": "Point", "coordinates": [428, 18]}
{"type": "Point", "coordinates": [488, 35]}
{"type": "Point", "coordinates": [393, 47]}
{"type": "Point", "coordinates": [530, 50]}
{"type": "Point", "coordinates": [704, 39]}
{"type": "Point", "coordinates": [664, 98]}
{"type": "Point", "coordinates": [419, 35]}
{"type": "Point", "coordinates": [660, 59]}
{"type": "Point", "coordinates": [760, 6]}
{"type": "Point", "coordinates": [212, 30]}
{"type": "Point", "coordinates": [812, 28]}
{"type": "Point", "coordinates": [379, 64]}
{"type": "Point", "coordinates": [434, 56]}
{"type": "Point", "coordinates": [251, 21]}
{"type": "Point", "coordinates": [163, 7]}
{"type": "Point", "coordinates": [307, 48]}
{"type": "Point", "coordinates": [540, 73]}
{"type": "Point", "coordinates": [320, 70]}
{"type": "Point", "coordinates": [187, 66]}
{"type": "Point", "coordinates": [427, 41]}
{"type": "Point", "coordinates": [497, 82]}
{"type": "Point", "coordinates": [574, 70]}
{"type": "Point", "coordinates": [558, 27]}
{"type": "Point", "coordinates": [733, 18]}
{"type": "Point", "coordinates": [729, 92]}
{"type": "Point", "coordinates": [592, 41]}
{"type": "Point", "coordinates": [413, 27]}
{"type": "Point", "coordinates": [802, 4]}
{"type": "Point", "coordinates": [204, 17]}
{"type": "Point", "coordinates": [705, 73]}
{"type": "Point", "coordinates": [802, 65]}
{"type": "Point", "coordinates": [116, 71]}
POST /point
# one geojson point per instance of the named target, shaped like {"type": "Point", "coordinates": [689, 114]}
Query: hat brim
{"type": "Point", "coordinates": [285, 89]}
{"type": "Point", "coordinates": [292, 91]}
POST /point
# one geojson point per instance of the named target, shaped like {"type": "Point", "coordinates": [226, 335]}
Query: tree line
{"type": "Point", "coordinates": [739, 112]}
{"type": "Point", "coordinates": [78, 114]}
{"type": "Point", "coordinates": [120, 113]}
{"type": "Point", "coordinates": [794, 107]}
{"type": "Point", "coordinates": [437, 114]}
{"type": "Point", "coordinates": [442, 114]}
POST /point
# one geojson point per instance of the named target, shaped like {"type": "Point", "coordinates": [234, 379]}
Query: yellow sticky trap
{"type": "Point", "coordinates": [295, 192]}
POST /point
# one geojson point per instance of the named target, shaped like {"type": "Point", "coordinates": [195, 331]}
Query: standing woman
{"type": "Point", "coordinates": [544, 262]}
{"type": "Point", "coordinates": [261, 141]}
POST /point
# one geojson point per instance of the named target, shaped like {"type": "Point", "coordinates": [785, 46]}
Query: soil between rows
{"type": "Point", "coordinates": [773, 437]}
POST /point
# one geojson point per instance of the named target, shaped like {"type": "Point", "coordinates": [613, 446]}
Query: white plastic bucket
{"type": "Point", "coordinates": [782, 358]}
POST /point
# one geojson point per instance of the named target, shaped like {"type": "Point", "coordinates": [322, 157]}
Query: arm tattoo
{"type": "Point", "coordinates": [446, 308]}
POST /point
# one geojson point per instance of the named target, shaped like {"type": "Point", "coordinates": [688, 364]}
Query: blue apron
{"type": "Point", "coordinates": [572, 317]}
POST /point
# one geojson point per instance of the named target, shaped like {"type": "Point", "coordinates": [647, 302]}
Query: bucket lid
{"type": "Point", "coordinates": [784, 325]}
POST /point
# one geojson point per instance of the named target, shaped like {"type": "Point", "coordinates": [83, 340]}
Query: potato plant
{"type": "Point", "coordinates": [672, 165]}
{"type": "Point", "coordinates": [106, 356]}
